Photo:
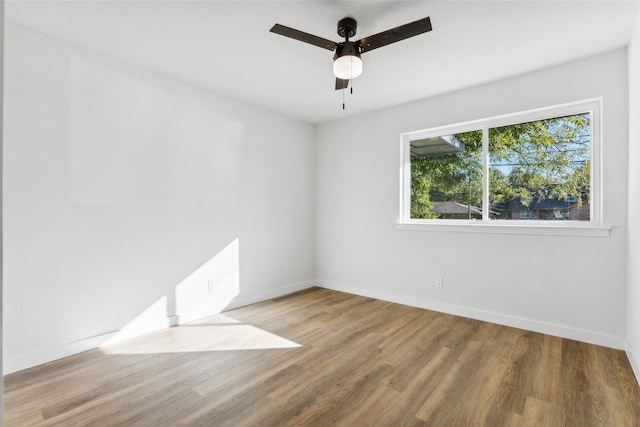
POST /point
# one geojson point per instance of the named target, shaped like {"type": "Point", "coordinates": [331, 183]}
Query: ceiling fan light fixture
{"type": "Point", "coordinates": [347, 64]}
{"type": "Point", "coordinates": [347, 67]}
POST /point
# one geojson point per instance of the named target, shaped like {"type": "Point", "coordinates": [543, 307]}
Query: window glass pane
{"type": "Point", "coordinates": [540, 170]}
{"type": "Point", "coordinates": [446, 177]}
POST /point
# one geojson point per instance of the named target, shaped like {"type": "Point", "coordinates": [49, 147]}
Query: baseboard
{"type": "Point", "coordinates": [271, 293]}
{"type": "Point", "coordinates": [28, 360]}
{"type": "Point", "coordinates": [486, 316]}
{"type": "Point", "coordinates": [633, 360]}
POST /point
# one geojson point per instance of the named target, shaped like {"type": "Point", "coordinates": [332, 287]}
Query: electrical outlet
{"type": "Point", "coordinates": [438, 281]}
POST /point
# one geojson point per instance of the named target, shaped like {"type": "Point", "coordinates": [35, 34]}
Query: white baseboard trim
{"type": "Point", "coordinates": [486, 316]}
{"type": "Point", "coordinates": [269, 294]}
{"type": "Point", "coordinates": [48, 354]}
{"type": "Point", "coordinates": [28, 360]}
{"type": "Point", "coordinates": [633, 360]}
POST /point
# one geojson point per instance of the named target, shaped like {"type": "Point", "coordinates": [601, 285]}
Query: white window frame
{"type": "Point", "coordinates": [593, 227]}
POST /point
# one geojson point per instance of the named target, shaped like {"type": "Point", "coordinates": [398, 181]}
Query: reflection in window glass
{"type": "Point", "coordinates": [446, 176]}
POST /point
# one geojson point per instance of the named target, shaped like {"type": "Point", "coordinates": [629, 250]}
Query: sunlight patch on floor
{"type": "Point", "coordinates": [216, 333]}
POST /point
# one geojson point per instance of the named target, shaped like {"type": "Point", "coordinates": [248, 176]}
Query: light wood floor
{"type": "Point", "coordinates": [321, 357]}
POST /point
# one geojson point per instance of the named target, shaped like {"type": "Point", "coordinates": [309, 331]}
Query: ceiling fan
{"type": "Point", "coordinates": [347, 64]}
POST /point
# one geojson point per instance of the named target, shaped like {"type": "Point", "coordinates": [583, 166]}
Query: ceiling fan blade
{"type": "Point", "coordinates": [303, 37]}
{"type": "Point", "coordinates": [395, 34]}
{"type": "Point", "coordinates": [341, 83]}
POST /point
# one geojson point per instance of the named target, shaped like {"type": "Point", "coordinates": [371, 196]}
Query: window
{"type": "Point", "coordinates": [539, 167]}
{"type": "Point", "coordinates": [571, 199]}
{"type": "Point", "coordinates": [525, 214]}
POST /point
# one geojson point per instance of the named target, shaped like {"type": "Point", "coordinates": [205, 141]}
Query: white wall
{"type": "Point", "coordinates": [569, 286]}
{"type": "Point", "coordinates": [633, 255]}
{"type": "Point", "coordinates": [127, 192]}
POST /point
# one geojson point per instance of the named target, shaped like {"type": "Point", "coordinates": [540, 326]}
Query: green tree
{"type": "Point", "coordinates": [540, 160]}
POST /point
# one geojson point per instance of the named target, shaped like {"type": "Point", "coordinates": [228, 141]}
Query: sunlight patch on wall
{"type": "Point", "coordinates": [211, 287]}
{"type": "Point", "coordinates": [151, 319]}
{"type": "Point", "coordinates": [205, 292]}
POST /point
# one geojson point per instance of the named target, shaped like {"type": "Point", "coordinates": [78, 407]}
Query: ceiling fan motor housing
{"type": "Point", "coordinates": [347, 49]}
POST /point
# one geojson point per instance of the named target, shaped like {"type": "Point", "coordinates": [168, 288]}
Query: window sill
{"type": "Point", "coordinates": [534, 229]}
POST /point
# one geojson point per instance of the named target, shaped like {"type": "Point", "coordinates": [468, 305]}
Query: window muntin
{"type": "Point", "coordinates": [544, 162]}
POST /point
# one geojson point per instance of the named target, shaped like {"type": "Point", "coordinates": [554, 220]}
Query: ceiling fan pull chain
{"type": "Point", "coordinates": [343, 99]}
{"type": "Point", "coordinates": [351, 82]}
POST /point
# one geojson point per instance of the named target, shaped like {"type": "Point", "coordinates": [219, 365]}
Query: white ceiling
{"type": "Point", "coordinates": [226, 46]}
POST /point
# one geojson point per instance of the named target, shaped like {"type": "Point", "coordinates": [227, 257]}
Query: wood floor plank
{"type": "Point", "coordinates": [320, 357]}
{"type": "Point", "coordinates": [412, 396]}
{"type": "Point", "coordinates": [538, 413]}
